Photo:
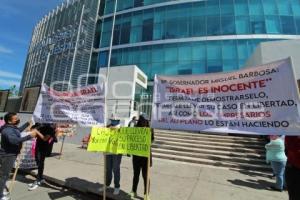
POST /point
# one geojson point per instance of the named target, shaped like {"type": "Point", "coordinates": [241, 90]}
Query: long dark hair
{"type": "Point", "coordinates": [142, 122]}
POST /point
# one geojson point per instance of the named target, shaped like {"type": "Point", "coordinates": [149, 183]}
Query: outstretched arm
{"type": "Point", "coordinates": [43, 137]}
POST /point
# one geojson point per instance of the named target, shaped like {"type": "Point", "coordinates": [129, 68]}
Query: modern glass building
{"type": "Point", "coordinates": [191, 37]}
{"type": "Point", "coordinates": [175, 37]}
{"type": "Point", "coordinates": [62, 45]}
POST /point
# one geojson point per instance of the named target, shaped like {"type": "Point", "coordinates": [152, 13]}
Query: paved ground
{"type": "Point", "coordinates": [46, 192]}
{"type": "Point", "coordinates": [169, 180]}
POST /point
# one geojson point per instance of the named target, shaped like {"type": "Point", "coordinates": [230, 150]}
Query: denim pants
{"type": "Point", "coordinates": [279, 171]}
{"type": "Point", "coordinates": [113, 163]}
{"type": "Point", "coordinates": [6, 165]}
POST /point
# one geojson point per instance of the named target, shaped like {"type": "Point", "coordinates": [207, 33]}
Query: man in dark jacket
{"type": "Point", "coordinates": [11, 144]}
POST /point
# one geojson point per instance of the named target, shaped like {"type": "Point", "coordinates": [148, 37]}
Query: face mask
{"type": "Point", "coordinates": [17, 122]}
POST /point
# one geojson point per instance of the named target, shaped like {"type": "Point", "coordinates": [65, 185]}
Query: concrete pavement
{"type": "Point", "coordinates": [170, 180]}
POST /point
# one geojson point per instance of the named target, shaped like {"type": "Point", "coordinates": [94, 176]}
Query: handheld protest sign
{"type": "Point", "coordinates": [125, 140]}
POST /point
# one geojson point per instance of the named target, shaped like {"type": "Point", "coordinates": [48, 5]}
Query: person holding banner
{"type": "Point", "coordinates": [292, 144]}
{"type": "Point", "coordinates": [141, 164]}
{"type": "Point", "coordinates": [45, 138]}
{"type": "Point", "coordinates": [276, 156]}
{"type": "Point", "coordinates": [113, 163]}
{"type": "Point", "coordinates": [11, 144]}
{"type": "Point", "coordinates": [132, 122]}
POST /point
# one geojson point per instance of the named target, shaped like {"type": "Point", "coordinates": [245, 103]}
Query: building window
{"type": "Point", "coordinates": [198, 26]}
{"type": "Point", "coordinates": [288, 25]}
{"type": "Point", "coordinates": [103, 59]}
{"type": "Point", "coordinates": [214, 25]}
{"type": "Point", "coordinates": [228, 25]}
{"type": "Point", "coordinates": [214, 66]}
{"type": "Point", "coordinates": [117, 31]}
{"type": "Point", "coordinates": [147, 34]}
{"type": "Point", "coordinates": [185, 71]}
{"type": "Point", "coordinates": [257, 24]}
{"type": "Point", "coordinates": [242, 25]}
{"type": "Point", "coordinates": [138, 3]}
{"type": "Point", "coordinates": [125, 33]}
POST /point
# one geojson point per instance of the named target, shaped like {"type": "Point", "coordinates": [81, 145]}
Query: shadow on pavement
{"type": "Point", "coordinates": [255, 184]}
{"type": "Point", "coordinates": [66, 193]}
{"type": "Point", "coordinates": [87, 186]}
{"type": "Point", "coordinates": [254, 174]}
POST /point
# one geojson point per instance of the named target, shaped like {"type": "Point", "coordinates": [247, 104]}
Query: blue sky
{"type": "Point", "coordinates": [17, 20]}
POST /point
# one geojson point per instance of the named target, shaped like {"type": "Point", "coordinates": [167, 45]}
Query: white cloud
{"type": "Point", "coordinates": [5, 74]}
{"type": "Point", "coordinates": [5, 50]}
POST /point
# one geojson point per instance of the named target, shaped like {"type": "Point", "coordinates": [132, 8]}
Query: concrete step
{"type": "Point", "coordinates": [210, 151]}
{"type": "Point", "coordinates": [226, 164]}
{"type": "Point", "coordinates": [208, 135]}
{"type": "Point", "coordinates": [214, 157]}
{"type": "Point", "coordinates": [160, 143]}
{"type": "Point", "coordinates": [208, 138]}
{"type": "Point", "coordinates": [210, 142]}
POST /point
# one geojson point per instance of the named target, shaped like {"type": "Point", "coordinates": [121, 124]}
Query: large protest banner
{"type": "Point", "coordinates": [127, 140]}
{"type": "Point", "coordinates": [83, 106]}
{"type": "Point", "coordinates": [257, 100]}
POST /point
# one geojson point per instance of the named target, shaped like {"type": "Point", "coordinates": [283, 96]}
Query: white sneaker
{"type": "Point", "coordinates": [34, 185]}
{"type": "Point", "coordinates": [5, 198]}
{"type": "Point", "coordinates": [101, 189]}
{"type": "Point", "coordinates": [116, 191]}
{"type": "Point", "coordinates": [5, 193]}
{"type": "Point", "coordinates": [41, 182]}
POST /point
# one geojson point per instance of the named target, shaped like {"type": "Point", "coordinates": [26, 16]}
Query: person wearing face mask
{"type": "Point", "coordinates": [11, 144]}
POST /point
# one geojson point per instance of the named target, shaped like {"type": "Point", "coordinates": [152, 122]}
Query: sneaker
{"type": "Point", "coordinates": [133, 195]}
{"type": "Point", "coordinates": [31, 184]}
{"type": "Point", "coordinates": [146, 197]}
{"type": "Point", "coordinates": [5, 198]}
{"type": "Point", "coordinates": [116, 191]}
{"type": "Point", "coordinates": [5, 193]}
{"type": "Point", "coordinates": [34, 185]}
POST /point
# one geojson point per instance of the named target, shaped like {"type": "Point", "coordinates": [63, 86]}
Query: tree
{"type": "Point", "coordinates": [13, 91]}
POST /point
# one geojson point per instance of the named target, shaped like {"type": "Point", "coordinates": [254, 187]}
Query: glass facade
{"type": "Point", "coordinates": [190, 37]}
{"type": "Point", "coordinates": [164, 37]}
{"type": "Point", "coordinates": [65, 36]}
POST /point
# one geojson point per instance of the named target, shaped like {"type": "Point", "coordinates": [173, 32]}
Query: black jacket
{"type": "Point", "coordinates": [11, 140]}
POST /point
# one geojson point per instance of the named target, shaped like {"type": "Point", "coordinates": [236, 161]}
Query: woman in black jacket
{"type": "Point", "coordinates": [45, 139]}
{"type": "Point", "coordinates": [141, 163]}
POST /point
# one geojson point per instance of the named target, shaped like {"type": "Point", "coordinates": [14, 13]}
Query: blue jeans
{"type": "Point", "coordinates": [113, 163]}
{"type": "Point", "coordinates": [278, 170]}
{"type": "Point", "coordinates": [6, 165]}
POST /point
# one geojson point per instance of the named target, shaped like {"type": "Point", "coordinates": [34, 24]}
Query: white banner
{"type": "Point", "coordinates": [27, 157]}
{"type": "Point", "coordinates": [257, 100]}
{"type": "Point", "coordinates": [83, 106]}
